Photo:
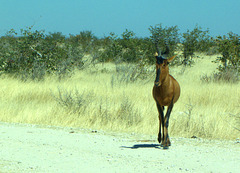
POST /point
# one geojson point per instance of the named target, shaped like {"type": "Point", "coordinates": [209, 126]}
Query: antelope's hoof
{"type": "Point", "coordinates": [165, 147]}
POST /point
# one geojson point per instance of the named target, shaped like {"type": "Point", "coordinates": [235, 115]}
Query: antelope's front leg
{"type": "Point", "coordinates": [159, 132]}
{"type": "Point", "coordinates": [166, 140]}
{"type": "Point", "coordinates": [161, 122]}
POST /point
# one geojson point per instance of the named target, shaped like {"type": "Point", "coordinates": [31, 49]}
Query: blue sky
{"type": "Point", "coordinates": [105, 16]}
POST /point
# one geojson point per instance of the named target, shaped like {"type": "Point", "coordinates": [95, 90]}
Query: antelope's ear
{"type": "Point", "coordinates": [156, 54]}
{"type": "Point", "coordinates": [170, 59]}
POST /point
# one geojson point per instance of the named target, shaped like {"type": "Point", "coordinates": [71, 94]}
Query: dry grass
{"type": "Point", "coordinates": [101, 98]}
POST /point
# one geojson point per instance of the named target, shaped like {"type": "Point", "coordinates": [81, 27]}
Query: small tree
{"type": "Point", "coordinates": [111, 49]}
{"type": "Point", "coordinates": [193, 41]}
{"type": "Point", "coordinates": [84, 39]}
{"type": "Point", "coordinates": [163, 36]}
{"type": "Point", "coordinates": [56, 36]}
{"type": "Point", "coordinates": [229, 47]}
{"type": "Point", "coordinates": [32, 54]}
{"type": "Point", "coordinates": [123, 49]}
{"type": "Point", "coordinates": [129, 46]}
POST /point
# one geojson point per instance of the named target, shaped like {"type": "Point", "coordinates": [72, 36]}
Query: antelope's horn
{"type": "Point", "coordinates": [166, 52]}
{"type": "Point", "coordinates": [158, 49]}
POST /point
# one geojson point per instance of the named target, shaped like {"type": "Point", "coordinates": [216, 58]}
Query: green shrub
{"type": "Point", "coordinates": [128, 48]}
{"type": "Point", "coordinates": [32, 54]}
{"type": "Point", "coordinates": [229, 47]}
{"type": "Point", "coordinates": [165, 36]}
{"type": "Point", "coordinates": [84, 40]}
{"type": "Point", "coordinates": [193, 41]}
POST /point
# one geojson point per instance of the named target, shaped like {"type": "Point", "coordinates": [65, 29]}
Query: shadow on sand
{"type": "Point", "coordinates": [157, 146]}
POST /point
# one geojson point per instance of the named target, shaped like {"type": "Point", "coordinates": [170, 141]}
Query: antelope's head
{"type": "Point", "coordinates": [162, 69]}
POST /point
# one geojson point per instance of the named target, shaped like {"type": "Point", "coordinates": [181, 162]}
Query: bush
{"type": "Point", "coordinates": [229, 47]}
{"type": "Point", "coordinates": [193, 41]}
{"type": "Point", "coordinates": [165, 36]}
{"type": "Point", "coordinates": [225, 76]}
{"type": "Point", "coordinates": [73, 101]}
{"type": "Point", "coordinates": [84, 40]}
{"type": "Point", "coordinates": [112, 49]}
{"type": "Point", "coordinates": [34, 54]}
{"type": "Point", "coordinates": [128, 48]}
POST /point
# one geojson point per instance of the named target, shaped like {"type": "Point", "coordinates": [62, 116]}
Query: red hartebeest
{"type": "Point", "coordinates": [166, 92]}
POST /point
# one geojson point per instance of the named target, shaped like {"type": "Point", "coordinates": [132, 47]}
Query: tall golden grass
{"type": "Point", "coordinates": [99, 97]}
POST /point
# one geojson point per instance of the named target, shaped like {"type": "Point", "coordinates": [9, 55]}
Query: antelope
{"type": "Point", "coordinates": [166, 91]}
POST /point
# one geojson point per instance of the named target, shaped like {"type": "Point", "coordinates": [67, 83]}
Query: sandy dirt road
{"type": "Point", "coordinates": [28, 148]}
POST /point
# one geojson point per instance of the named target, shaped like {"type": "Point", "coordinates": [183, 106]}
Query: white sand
{"type": "Point", "coordinates": [28, 148]}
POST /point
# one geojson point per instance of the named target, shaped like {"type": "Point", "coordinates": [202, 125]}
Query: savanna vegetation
{"type": "Point", "coordinates": [105, 83]}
